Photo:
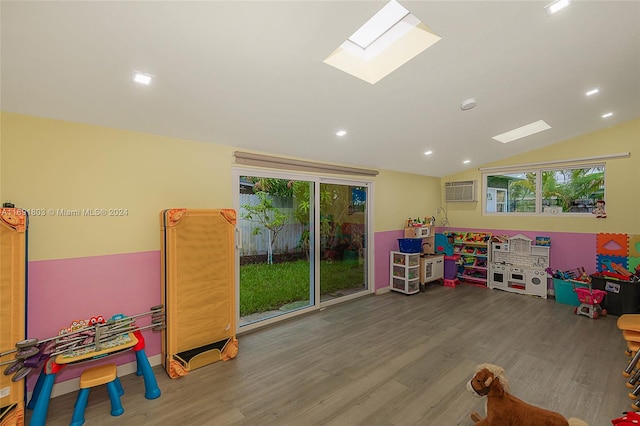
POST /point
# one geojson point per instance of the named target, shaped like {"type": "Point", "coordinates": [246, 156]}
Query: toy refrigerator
{"type": "Point", "coordinates": [198, 288]}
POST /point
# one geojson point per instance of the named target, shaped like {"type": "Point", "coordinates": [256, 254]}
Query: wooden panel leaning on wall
{"type": "Point", "coordinates": [198, 288]}
{"type": "Point", "coordinates": [13, 261]}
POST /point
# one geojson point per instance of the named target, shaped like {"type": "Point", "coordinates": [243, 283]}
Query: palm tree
{"type": "Point", "coordinates": [522, 191]}
{"type": "Point", "coordinates": [558, 187]}
{"type": "Point", "coordinates": [569, 185]}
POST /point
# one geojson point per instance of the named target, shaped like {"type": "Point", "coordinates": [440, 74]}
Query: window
{"type": "Point", "coordinates": [571, 190]}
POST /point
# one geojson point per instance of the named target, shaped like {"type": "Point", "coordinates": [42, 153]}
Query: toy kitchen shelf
{"type": "Point", "coordinates": [404, 274]}
{"type": "Point", "coordinates": [473, 248]}
{"type": "Point", "coordinates": [519, 266]}
{"type": "Point", "coordinates": [431, 268]}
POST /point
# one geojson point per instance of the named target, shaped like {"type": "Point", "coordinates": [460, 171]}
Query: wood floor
{"type": "Point", "coordinates": [390, 360]}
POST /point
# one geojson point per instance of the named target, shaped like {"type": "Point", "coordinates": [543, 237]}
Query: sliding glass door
{"type": "Point", "coordinates": [343, 224]}
{"type": "Point", "coordinates": [276, 249]}
{"type": "Point", "coordinates": [301, 244]}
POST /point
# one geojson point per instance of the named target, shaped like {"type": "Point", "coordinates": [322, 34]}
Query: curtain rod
{"type": "Point", "coordinates": [552, 162]}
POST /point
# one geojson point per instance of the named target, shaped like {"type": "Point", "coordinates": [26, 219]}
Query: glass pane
{"type": "Point", "coordinates": [276, 275]}
{"type": "Point", "coordinates": [343, 223]}
{"type": "Point", "coordinates": [574, 190]}
{"type": "Point", "coordinates": [511, 193]}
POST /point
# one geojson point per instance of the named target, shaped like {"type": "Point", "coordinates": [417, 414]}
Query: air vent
{"type": "Point", "coordinates": [460, 191]}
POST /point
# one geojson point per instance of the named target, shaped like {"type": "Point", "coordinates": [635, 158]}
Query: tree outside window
{"type": "Point", "coordinates": [562, 190]}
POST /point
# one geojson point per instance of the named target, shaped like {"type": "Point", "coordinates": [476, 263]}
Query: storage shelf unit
{"type": "Point", "coordinates": [473, 247]}
{"type": "Point", "coordinates": [404, 273]}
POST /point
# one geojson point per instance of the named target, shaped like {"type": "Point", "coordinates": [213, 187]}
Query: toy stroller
{"type": "Point", "coordinates": [589, 302]}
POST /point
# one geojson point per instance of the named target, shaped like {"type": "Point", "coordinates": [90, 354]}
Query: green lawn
{"type": "Point", "coordinates": [266, 287]}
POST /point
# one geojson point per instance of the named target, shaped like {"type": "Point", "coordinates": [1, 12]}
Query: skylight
{"type": "Point", "coordinates": [522, 132]}
{"type": "Point", "coordinates": [380, 23]}
{"type": "Point", "coordinates": [556, 6]}
{"type": "Point", "coordinates": [388, 40]}
{"type": "Point", "coordinates": [142, 78]}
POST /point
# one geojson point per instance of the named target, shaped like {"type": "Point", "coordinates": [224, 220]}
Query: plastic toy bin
{"type": "Point", "coordinates": [410, 245]}
{"type": "Point", "coordinates": [623, 297]}
{"type": "Point", "coordinates": [564, 291]}
{"type": "Point", "coordinates": [451, 267]}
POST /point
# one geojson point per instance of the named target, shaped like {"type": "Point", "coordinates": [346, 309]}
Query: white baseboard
{"type": "Point", "coordinates": [73, 385]}
{"type": "Point", "coordinates": [383, 290]}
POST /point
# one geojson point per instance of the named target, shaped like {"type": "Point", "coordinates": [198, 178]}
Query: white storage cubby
{"type": "Point", "coordinates": [404, 272]}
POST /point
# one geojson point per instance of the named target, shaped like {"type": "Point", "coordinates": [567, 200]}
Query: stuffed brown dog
{"type": "Point", "coordinates": [504, 409]}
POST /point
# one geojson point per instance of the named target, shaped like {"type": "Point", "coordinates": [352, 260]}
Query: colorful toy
{"type": "Point", "coordinates": [599, 210]}
{"type": "Point", "coordinates": [629, 419]}
{"type": "Point", "coordinates": [504, 409]}
{"type": "Point", "coordinates": [589, 302]}
{"type": "Point", "coordinates": [616, 270]}
{"type": "Point", "coordinates": [81, 337]}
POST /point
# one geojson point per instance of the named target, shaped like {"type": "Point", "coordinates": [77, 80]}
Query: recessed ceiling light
{"type": "Point", "coordinates": [341, 132]}
{"type": "Point", "coordinates": [142, 78]}
{"type": "Point", "coordinates": [555, 6]}
{"type": "Point", "coordinates": [607, 115]}
{"type": "Point", "coordinates": [522, 132]}
{"type": "Point", "coordinates": [592, 92]}
{"type": "Point", "coordinates": [466, 161]}
{"type": "Point", "coordinates": [428, 152]}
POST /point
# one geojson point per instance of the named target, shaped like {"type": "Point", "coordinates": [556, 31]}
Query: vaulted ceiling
{"type": "Point", "coordinates": [251, 75]}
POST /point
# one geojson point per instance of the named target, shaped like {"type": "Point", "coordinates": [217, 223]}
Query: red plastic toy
{"type": "Point", "coordinates": [590, 302]}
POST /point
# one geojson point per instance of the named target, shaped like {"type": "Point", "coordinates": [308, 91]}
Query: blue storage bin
{"type": "Point", "coordinates": [410, 245]}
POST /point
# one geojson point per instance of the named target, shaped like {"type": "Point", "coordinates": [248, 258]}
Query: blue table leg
{"type": "Point", "coordinates": [39, 416]}
{"type": "Point", "coordinates": [152, 391]}
{"type": "Point", "coordinates": [36, 390]}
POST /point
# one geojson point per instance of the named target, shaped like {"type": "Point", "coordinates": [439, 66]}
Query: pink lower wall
{"type": "Point", "coordinates": [61, 291]}
{"type": "Point", "coordinates": [569, 250]}
{"type": "Point", "coordinates": [384, 243]}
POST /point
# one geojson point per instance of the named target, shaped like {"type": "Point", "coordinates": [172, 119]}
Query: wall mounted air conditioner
{"type": "Point", "coordinates": [460, 191]}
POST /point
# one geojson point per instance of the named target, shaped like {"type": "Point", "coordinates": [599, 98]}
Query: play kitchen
{"type": "Point", "coordinates": [519, 266]}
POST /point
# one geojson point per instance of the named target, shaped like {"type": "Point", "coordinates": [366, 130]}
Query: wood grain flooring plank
{"type": "Point", "coordinates": [389, 360]}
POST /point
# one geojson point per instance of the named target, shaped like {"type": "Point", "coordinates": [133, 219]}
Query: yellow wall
{"type": "Point", "coordinates": [400, 195]}
{"type": "Point", "coordinates": [51, 165]}
{"type": "Point", "coordinates": [622, 180]}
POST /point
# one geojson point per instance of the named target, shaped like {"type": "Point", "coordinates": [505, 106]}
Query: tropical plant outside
{"type": "Point", "coordinates": [572, 189]}
{"type": "Point", "coordinates": [333, 199]}
{"type": "Point", "coordinates": [285, 285]}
